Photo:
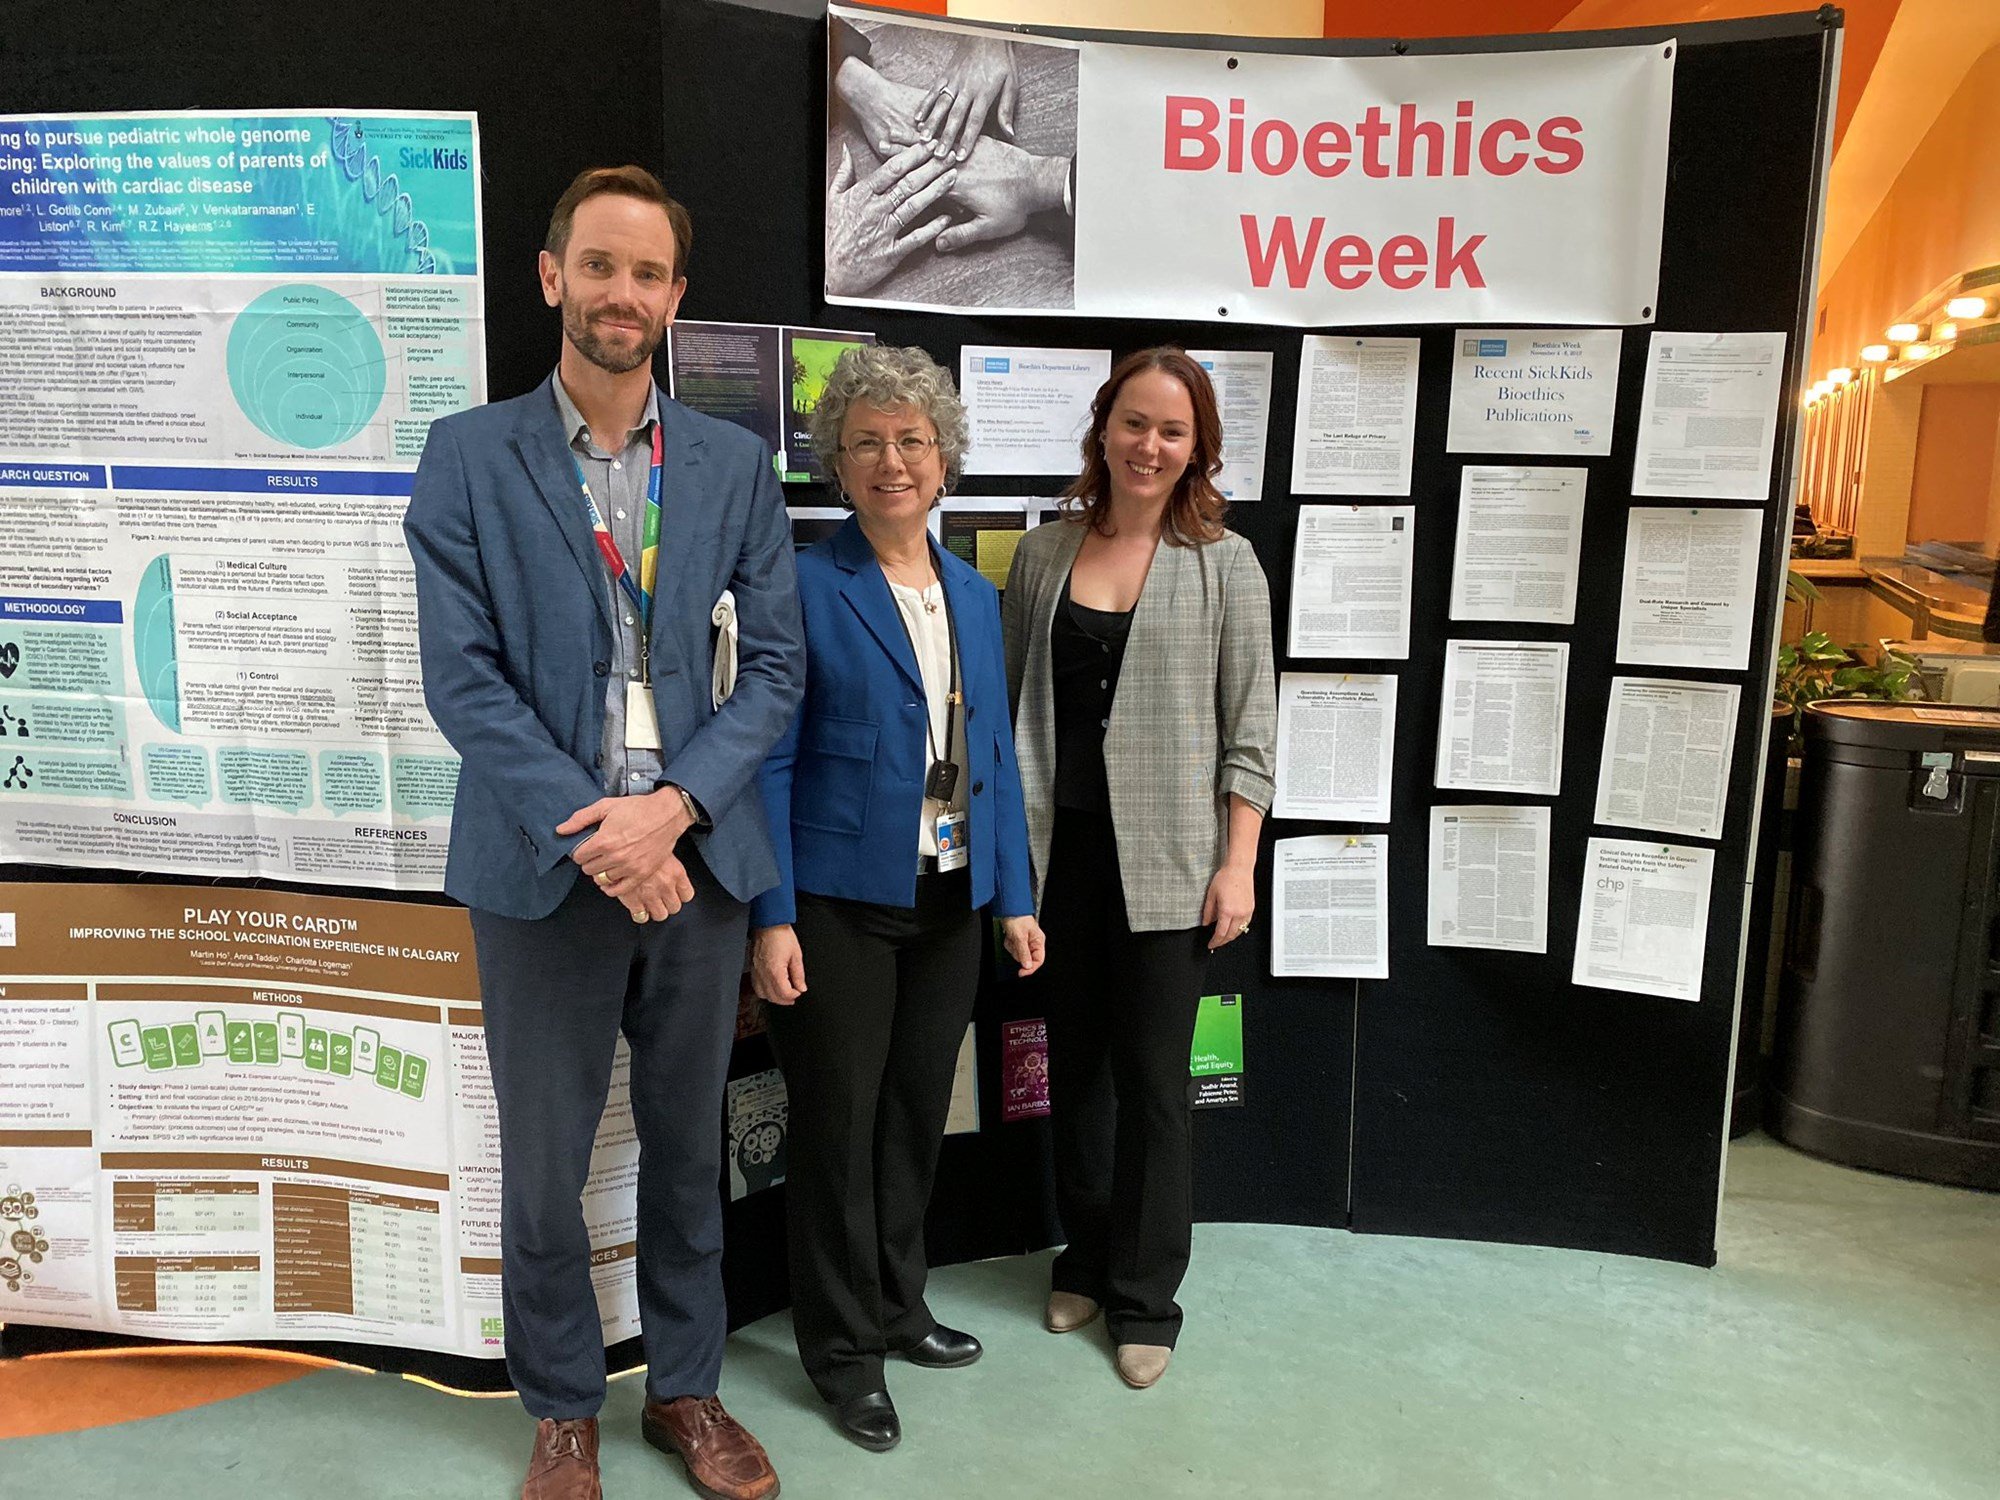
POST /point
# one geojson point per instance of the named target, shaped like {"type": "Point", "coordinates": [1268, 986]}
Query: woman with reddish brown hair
{"type": "Point", "coordinates": [1139, 663]}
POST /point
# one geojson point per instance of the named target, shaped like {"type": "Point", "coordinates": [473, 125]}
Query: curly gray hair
{"type": "Point", "coordinates": [886, 377]}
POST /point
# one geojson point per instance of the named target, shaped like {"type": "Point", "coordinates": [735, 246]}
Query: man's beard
{"type": "Point", "coordinates": [618, 359]}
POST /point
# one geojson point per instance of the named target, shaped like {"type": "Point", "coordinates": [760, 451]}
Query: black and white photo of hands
{"type": "Point", "coordinates": [874, 222]}
{"type": "Point", "coordinates": [980, 82]}
{"type": "Point", "coordinates": [933, 148]}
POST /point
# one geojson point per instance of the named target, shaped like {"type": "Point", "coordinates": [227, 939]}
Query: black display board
{"type": "Point", "coordinates": [1471, 1094]}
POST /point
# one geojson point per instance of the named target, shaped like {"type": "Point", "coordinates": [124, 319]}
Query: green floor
{"type": "Point", "coordinates": [1847, 1346]}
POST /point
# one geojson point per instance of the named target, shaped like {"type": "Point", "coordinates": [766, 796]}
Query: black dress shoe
{"type": "Point", "coordinates": [944, 1349]}
{"type": "Point", "coordinates": [870, 1420]}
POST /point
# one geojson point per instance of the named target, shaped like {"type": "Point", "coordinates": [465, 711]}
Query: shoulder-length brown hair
{"type": "Point", "coordinates": [1194, 514]}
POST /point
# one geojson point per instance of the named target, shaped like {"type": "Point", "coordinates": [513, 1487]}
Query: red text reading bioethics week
{"type": "Point", "coordinates": [1379, 145]}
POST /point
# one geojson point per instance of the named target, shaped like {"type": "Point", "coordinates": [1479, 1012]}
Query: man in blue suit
{"type": "Point", "coordinates": [607, 832]}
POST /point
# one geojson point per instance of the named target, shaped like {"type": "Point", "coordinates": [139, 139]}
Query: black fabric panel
{"type": "Point", "coordinates": [1282, 1158]}
{"type": "Point", "coordinates": [554, 94]}
{"type": "Point", "coordinates": [1494, 1099]}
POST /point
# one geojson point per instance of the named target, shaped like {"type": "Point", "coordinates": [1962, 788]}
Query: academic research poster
{"type": "Point", "coordinates": [223, 339]}
{"type": "Point", "coordinates": [231, 1115]}
{"type": "Point", "coordinates": [1154, 181]}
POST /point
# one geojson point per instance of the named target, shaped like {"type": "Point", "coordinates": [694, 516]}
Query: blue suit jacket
{"type": "Point", "coordinates": [515, 625]}
{"type": "Point", "coordinates": [844, 786]}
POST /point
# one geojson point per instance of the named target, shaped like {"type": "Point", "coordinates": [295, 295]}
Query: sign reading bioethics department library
{"type": "Point", "coordinates": [1254, 186]}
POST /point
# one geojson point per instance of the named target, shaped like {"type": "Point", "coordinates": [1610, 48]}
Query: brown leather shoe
{"type": "Point", "coordinates": [564, 1463]}
{"type": "Point", "coordinates": [723, 1461]}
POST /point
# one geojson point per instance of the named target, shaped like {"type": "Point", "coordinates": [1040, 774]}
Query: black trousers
{"type": "Point", "coordinates": [1121, 1009]}
{"type": "Point", "coordinates": [557, 993]}
{"type": "Point", "coordinates": [868, 1054]}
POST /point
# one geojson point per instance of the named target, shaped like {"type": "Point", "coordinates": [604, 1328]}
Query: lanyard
{"type": "Point", "coordinates": [641, 591]}
{"type": "Point", "coordinates": [951, 698]}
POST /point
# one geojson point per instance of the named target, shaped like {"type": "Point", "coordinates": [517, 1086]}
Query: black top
{"type": "Point", "coordinates": [1086, 650]}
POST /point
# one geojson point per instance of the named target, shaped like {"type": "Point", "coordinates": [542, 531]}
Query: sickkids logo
{"type": "Point", "coordinates": [432, 159]}
{"type": "Point", "coordinates": [362, 167]}
{"type": "Point", "coordinates": [1387, 144]}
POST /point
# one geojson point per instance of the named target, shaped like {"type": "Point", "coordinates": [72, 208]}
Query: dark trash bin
{"type": "Point", "coordinates": [1888, 1046]}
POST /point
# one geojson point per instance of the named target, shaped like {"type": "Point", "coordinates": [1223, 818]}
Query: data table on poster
{"type": "Point", "coordinates": [186, 1208]}
{"type": "Point", "coordinates": [209, 1287]}
{"type": "Point", "coordinates": [357, 1254]}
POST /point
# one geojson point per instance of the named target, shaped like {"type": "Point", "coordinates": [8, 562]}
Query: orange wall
{"type": "Point", "coordinates": [1866, 27]}
{"type": "Point", "coordinates": [1955, 440]}
{"type": "Point", "coordinates": [1941, 217]}
{"type": "Point", "coordinates": [1443, 17]}
{"type": "Point", "coordinates": [1867, 24]}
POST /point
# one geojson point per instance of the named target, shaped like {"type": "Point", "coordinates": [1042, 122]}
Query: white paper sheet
{"type": "Point", "coordinates": [1489, 878]}
{"type": "Point", "coordinates": [1336, 746]}
{"type": "Point", "coordinates": [1520, 532]}
{"type": "Point", "coordinates": [1690, 594]}
{"type": "Point", "coordinates": [1534, 390]}
{"type": "Point", "coordinates": [1028, 408]}
{"type": "Point", "coordinates": [1709, 415]}
{"type": "Point", "coordinates": [962, 1115]}
{"type": "Point", "coordinates": [1331, 898]}
{"type": "Point", "coordinates": [1644, 918]}
{"type": "Point", "coordinates": [1667, 747]}
{"type": "Point", "coordinates": [1500, 728]}
{"type": "Point", "coordinates": [1356, 426]}
{"type": "Point", "coordinates": [1351, 572]}
{"type": "Point", "coordinates": [1242, 381]}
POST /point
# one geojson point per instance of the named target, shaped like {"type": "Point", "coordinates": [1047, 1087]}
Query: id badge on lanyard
{"type": "Point", "coordinates": [948, 828]}
{"type": "Point", "coordinates": [642, 720]}
{"type": "Point", "coordinates": [952, 853]}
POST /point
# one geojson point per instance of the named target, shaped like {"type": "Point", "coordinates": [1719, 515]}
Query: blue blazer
{"type": "Point", "coordinates": [844, 785]}
{"type": "Point", "coordinates": [514, 622]}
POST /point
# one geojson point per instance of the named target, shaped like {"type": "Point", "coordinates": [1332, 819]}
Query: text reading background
{"type": "Point", "coordinates": [1471, 1094]}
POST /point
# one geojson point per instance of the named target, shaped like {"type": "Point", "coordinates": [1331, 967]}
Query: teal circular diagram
{"type": "Point", "coordinates": [306, 366]}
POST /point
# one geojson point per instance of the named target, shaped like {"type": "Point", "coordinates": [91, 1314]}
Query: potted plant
{"type": "Point", "coordinates": [1813, 667]}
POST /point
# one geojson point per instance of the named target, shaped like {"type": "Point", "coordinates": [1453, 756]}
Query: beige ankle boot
{"type": "Point", "coordinates": [1139, 1365]}
{"type": "Point", "coordinates": [1067, 1312]}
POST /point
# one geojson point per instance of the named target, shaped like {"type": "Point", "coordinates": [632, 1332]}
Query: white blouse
{"type": "Point", "coordinates": [930, 633]}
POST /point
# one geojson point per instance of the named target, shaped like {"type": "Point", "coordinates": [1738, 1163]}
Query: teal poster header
{"type": "Point", "coordinates": [203, 193]}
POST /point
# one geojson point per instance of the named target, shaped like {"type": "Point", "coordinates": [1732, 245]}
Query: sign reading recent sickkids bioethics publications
{"type": "Point", "coordinates": [223, 339]}
{"type": "Point", "coordinates": [1263, 187]}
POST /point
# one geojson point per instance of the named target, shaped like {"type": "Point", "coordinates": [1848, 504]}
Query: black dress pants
{"type": "Point", "coordinates": [868, 1054]}
{"type": "Point", "coordinates": [1121, 1009]}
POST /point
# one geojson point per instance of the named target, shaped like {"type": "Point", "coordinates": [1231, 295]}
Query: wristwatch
{"type": "Point", "coordinates": [696, 816]}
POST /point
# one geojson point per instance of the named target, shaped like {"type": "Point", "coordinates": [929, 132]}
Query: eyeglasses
{"type": "Point", "coordinates": [868, 452]}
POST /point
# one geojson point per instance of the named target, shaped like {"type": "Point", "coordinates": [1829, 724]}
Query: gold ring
{"type": "Point", "coordinates": [640, 916]}
{"type": "Point", "coordinates": [604, 877]}
{"type": "Point", "coordinates": [1243, 929]}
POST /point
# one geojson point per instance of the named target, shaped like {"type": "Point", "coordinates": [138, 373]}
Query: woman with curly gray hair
{"type": "Point", "coordinates": [896, 813]}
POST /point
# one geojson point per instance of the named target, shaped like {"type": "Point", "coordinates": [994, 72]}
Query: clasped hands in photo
{"type": "Point", "coordinates": [933, 151]}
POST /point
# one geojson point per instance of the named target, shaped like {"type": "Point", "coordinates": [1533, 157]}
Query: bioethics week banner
{"type": "Point", "coordinates": [1160, 181]}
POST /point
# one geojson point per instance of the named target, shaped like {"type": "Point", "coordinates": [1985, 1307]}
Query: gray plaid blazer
{"type": "Point", "coordinates": [1194, 718]}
